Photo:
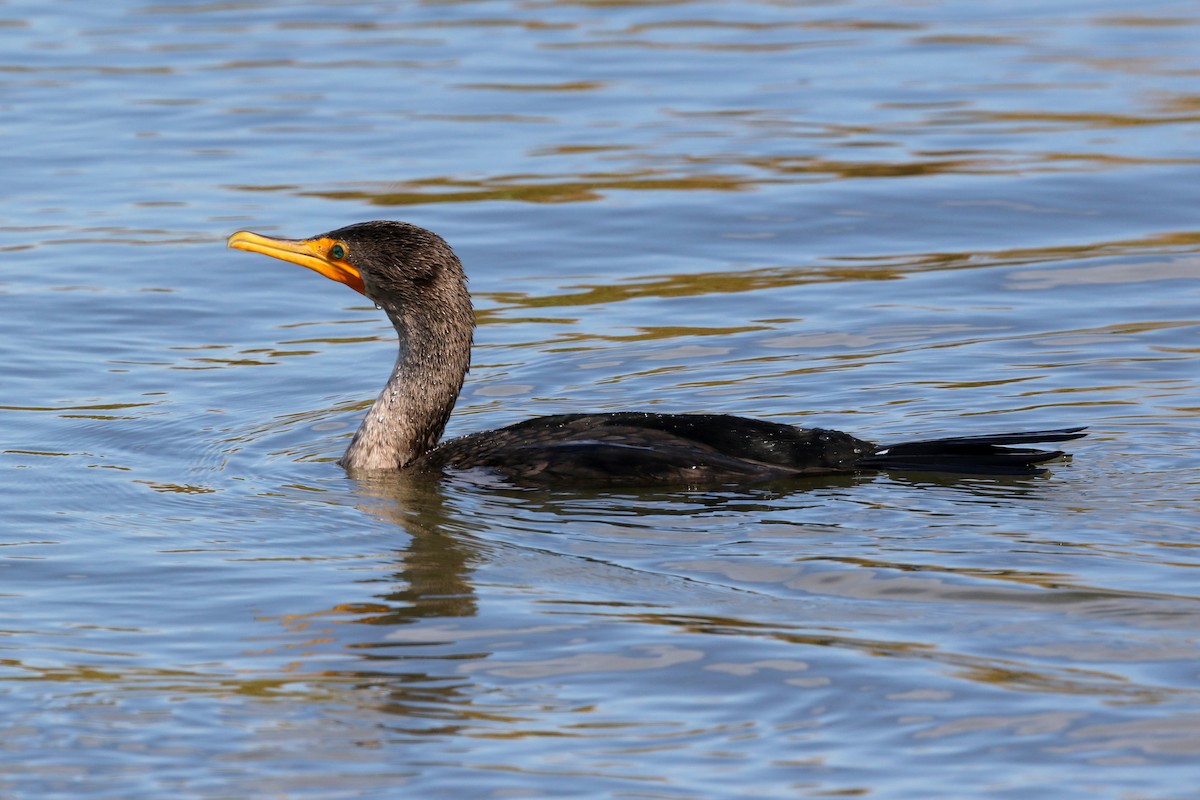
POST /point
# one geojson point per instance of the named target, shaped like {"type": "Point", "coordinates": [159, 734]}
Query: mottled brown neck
{"type": "Point", "coordinates": [410, 414]}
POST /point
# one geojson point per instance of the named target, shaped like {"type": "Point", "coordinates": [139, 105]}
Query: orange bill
{"type": "Point", "coordinates": [311, 253]}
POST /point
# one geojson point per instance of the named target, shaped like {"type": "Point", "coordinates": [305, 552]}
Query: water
{"type": "Point", "coordinates": [896, 219]}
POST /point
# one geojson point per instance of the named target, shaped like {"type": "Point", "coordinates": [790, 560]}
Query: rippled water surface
{"type": "Point", "coordinates": [897, 219]}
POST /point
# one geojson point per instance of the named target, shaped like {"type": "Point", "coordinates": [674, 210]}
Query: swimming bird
{"type": "Point", "coordinates": [416, 279]}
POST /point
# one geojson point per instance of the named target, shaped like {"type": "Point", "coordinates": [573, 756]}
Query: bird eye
{"type": "Point", "coordinates": [337, 252]}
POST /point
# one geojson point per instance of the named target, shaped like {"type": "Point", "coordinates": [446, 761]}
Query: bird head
{"type": "Point", "coordinates": [392, 263]}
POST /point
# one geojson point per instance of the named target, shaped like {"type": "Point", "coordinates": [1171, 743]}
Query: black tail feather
{"type": "Point", "coordinates": [987, 454]}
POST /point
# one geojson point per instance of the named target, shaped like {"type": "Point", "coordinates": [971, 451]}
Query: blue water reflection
{"type": "Point", "coordinates": [896, 219]}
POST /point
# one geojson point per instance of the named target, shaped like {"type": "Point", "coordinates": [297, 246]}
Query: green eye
{"type": "Point", "coordinates": [337, 252]}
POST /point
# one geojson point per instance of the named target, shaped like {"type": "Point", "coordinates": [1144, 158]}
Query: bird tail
{"type": "Point", "coordinates": [986, 455]}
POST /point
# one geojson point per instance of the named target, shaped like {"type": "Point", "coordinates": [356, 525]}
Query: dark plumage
{"type": "Point", "coordinates": [414, 276]}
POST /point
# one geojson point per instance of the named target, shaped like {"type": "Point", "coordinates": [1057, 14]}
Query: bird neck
{"type": "Point", "coordinates": [408, 418]}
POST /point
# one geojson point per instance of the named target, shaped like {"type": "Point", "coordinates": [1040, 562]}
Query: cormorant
{"type": "Point", "coordinates": [414, 276]}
